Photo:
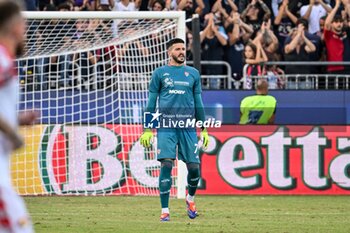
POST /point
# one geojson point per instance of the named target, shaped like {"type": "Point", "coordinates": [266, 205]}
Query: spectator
{"type": "Point", "coordinates": [224, 7]}
{"type": "Point", "coordinates": [284, 22]}
{"type": "Point", "coordinates": [268, 41]}
{"type": "Point", "coordinates": [133, 54]}
{"type": "Point", "coordinates": [322, 22]}
{"type": "Point", "coordinates": [85, 62]}
{"type": "Point", "coordinates": [295, 5]}
{"type": "Point", "coordinates": [158, 5]}
{"type": "Point", "coordinates": [313, 13]}
{"type": "Point", "coordinates": [189, 46]}
{"type": "Point", "coordinates": [254, 55]}
{"type": "Point", "coordinates": [104, 5]}
{"type": "Point", "coordinates": [298, 49]}
{"type": "Point", "coordinates": [127, 5]}
{"type": "Point", "coordinates": [337, 39]}
{"type": "Point", "coordinates": [242, 4]}
{"type": "Point", "coordinates": [253, 15]}
{"type": "Point", "coordinates": [315, 39]}
{"type": "Point", "coordinates": [212, 43]}
{"type": "Point", "coordinates": [64, 7]}
{"type": "Point", "coordinates": [190, 9]}
{"type": "Point", "coordinates": [50, 7]}
{"type": "Point", "coordinates": [238, 34]}
{"type": "Point", "coordinates": [85, 5]}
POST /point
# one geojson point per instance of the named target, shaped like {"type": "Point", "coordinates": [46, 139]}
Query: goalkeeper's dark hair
{"type": "Point", "coordinates": [8, 10]}
{"type": "Point", "coordinates": [174, 41]}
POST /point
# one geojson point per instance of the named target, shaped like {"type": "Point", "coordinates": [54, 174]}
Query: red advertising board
{"type": "Point", "coordinates": [277, 160]}
{"type": "Point", "coordinates": [240, 160]}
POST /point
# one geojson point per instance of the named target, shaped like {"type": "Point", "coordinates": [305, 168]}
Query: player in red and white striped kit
{"type": "Point", "coordinates": [13, 214]}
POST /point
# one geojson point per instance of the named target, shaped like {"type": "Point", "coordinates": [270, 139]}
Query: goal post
{"type": "Point", "coordinates": [87, 73]}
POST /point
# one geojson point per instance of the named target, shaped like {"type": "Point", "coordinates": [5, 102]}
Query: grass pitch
{"type": "Point", "coordinates": [217, 214]}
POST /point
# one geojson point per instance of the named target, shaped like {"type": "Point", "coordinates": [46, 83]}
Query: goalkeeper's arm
{"type": "Point", "coordinates": [200, 116]}
{"type": "Point", "coordinates": [147, 135]}
{"type": "Point", "coordinates": [152, 101]}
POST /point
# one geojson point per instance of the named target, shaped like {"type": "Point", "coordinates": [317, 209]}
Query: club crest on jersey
{"type": "Point", "coordinates": [168, 82]}
{"type": "Point", "coordinates": [186, 73]}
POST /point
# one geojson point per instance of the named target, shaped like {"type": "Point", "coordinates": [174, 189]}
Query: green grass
{"type": "Point", "coordinates": [217, 214]}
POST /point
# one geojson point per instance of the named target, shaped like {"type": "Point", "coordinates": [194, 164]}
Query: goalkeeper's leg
{"type": "Point", "coordinates": [192, 181]}
{"type": "Point", "coordinates": [192, 178]}
{"type": "Point", "coordinates": [165, 186]}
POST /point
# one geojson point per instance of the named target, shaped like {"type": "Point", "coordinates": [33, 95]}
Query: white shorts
{"type": "Point", "coordinates": [13, 213]}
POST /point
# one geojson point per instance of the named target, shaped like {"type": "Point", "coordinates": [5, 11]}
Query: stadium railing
{"type": "Point", "coordinates": [322, 80]}
{"type": "Point", "coordinates": [216, 81]}
{"type": "Point", "coordinates": [100, 79]}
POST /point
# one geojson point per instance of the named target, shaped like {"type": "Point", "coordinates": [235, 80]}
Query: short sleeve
{"type": "Point", "coordinates": [154, 85]}
{"type": "Point", "coordinates": [197, 89]}
{"type": "Point", "coordinates": [303, 10]}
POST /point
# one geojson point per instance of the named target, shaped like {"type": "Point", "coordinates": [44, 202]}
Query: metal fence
{"type": "Point", "coordinates": [324, 80]}
{"type": "Point", "coordinates": [217, 81]}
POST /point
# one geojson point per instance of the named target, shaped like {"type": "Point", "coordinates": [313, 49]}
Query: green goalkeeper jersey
{"type": "Point", "coordinates": [176, 87]}
{"type": "Point", "coordinates": [257, 109]}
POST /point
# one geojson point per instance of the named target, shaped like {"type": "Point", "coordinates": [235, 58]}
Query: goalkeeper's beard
{"type": "Point", "coordinates": [178, 61]}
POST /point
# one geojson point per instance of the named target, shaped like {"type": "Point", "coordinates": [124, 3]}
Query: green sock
{"type": "Point", "coordinates": [165, 182]}
{"type": "Point", "coordinates": [192, 177]}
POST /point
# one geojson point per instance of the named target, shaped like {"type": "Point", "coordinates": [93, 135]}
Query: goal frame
{"type": "Point", "coordinates": [181, 33]}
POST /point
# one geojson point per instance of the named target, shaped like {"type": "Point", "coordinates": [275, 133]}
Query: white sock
{"type": "Point", "coordinates": [189, 198]}
{"type": "Point", "coordinates": [165, 210]}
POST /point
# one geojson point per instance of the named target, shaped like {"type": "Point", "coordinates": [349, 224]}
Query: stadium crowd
{"type": "Point", "coordinates": [248, 32]}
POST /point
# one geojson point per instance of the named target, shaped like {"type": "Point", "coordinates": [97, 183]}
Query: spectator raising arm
{"type": "Point", "coordinates": [281, 12]}
{"type": "Point", "coordinates": [295, 41]}
{"type": "Point", "coordinates": [266, 9]}
{"type": "Point", "coordinates": [203, 34]}
{"type": "Point", "coordinates": [309, 46]}
{"type": "Point", "coordinates": [232, 5]}
{"type": "Point", "coordinates": [308, 11]}
{"type": "Point", "coordinates": [346, 4]}
{"type": "Point", "coordinates": [291, 16]}
{"type": "Point", "coordinates": [330, 17]}
{"type": "Point", "coordinates": [218, 35]}
{"type": "Point", "coordinates": [200, 7]}
{"type": "Point", "coordinates": [235, 35]}
{"type": "Point", "coordinates": [245, 11]}
{"type": "Point", "coordinates": [325, 6]}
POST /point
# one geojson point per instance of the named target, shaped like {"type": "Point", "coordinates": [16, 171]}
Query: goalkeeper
{"type": "Point", "coordinates": [178, 89]}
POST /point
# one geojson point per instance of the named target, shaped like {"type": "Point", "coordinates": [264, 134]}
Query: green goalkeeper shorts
{"type": "Point", "coordinates": [186, 140]}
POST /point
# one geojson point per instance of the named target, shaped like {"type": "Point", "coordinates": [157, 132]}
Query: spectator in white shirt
{"type": "Point", "coordinates": [127, 5]}
{"type": "Point", "coordinates": [313, 13]}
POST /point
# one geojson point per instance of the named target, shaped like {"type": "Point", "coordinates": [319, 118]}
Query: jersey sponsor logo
{"type": "Point", "coordinates": [168, 82]}
{"type": "Point", "coordinates": [177, 92]}
{"type": "Point", "coordinates": [182, 83]}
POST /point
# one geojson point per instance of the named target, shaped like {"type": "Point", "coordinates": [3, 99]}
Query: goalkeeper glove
{"type": "Point", "coordinates": [146, 138]}
{"type": "Point", "coordinates": [205, 138]}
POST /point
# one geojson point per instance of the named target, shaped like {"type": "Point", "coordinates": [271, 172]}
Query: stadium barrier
{"type": "Point", "coordinates": [279, 80]}
{"type": "Point", "coordinates": [217, 81]}
{"type": "Point", "coordinates": [100, 77]}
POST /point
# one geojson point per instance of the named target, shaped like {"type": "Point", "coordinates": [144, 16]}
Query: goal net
{"type": "Point", "coordinates": [87, 73]}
